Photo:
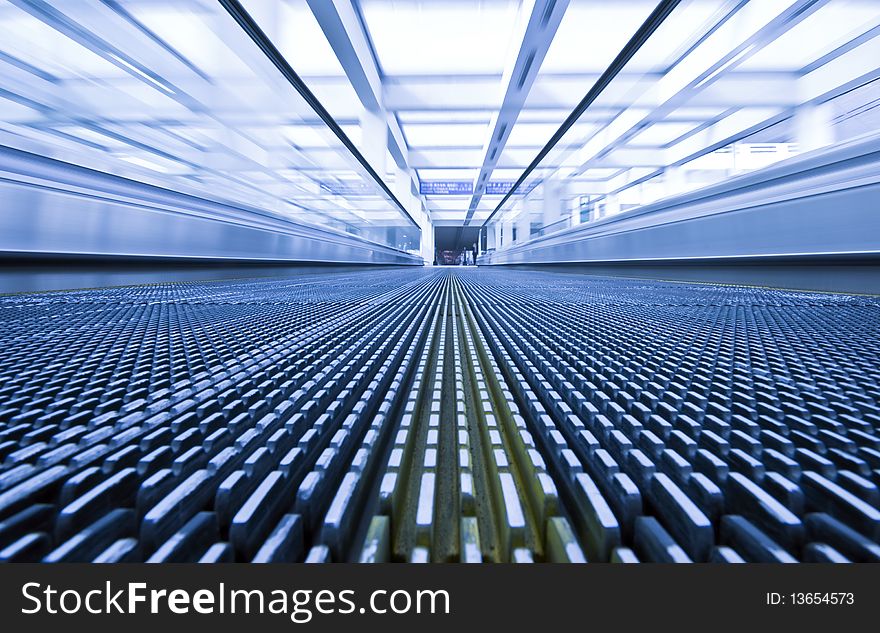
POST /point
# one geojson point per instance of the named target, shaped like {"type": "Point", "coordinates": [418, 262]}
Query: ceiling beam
{"type": "Point", "coordinates": [339, 21]}
{"type": "Point", "coordinates": [706, 65]}
{"type": "Point", "coordinates": [538, 27]}
{"type": "Point", "coordinates": [342, 26]}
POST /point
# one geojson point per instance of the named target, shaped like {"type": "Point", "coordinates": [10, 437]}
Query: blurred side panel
{"type": "Point", "coordinates": [56, 208]}
{"type": "Point", "coordinates": [821, 204]}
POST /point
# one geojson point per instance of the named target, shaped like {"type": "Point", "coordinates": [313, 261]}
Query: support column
{"type": "Point", "coordinates": [553, 208]}
{"type": "Point", "coordinates": [612, 205]}
{"type": "Point", "coordinates": [814, 127]}
{"type": "Point", "coordinates": [402, 188]}
{"type": "Point", "coordinates": [374, 131]}
{"type": "Point", "coordinates": [506, 233]}
{"type": "Point", "coordinates": [523, 228]}
{"type": "Point", "coordinates": [675, 180]}
{"type": "Point", "coordinates": [427, 243]}
{"type": "Point", "coordinates": [490, 237]}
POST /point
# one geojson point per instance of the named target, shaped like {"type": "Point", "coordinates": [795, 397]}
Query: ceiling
{"type": "Point", "coordinates": [475, 88]}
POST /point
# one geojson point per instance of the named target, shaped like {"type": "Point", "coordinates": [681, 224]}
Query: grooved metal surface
{"type": "Point", "coordinates": [439, 415]}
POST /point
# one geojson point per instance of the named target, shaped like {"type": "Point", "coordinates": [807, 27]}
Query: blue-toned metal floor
{"type": "Point", "coordinates": [439, 415]}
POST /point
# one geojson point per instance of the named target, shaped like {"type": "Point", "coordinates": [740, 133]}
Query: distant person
{"type": "Point", "coordinates": [475, 253]}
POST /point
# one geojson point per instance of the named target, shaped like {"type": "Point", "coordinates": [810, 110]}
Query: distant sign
{"type": "Point", "coordinates": [347, 188]}
{"type": "Point", "coordinates": [466, 187]}
{"type": "Point", "coordinates": [446, 187]}
{"type": "Point", "coordinates": [498, 187]}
